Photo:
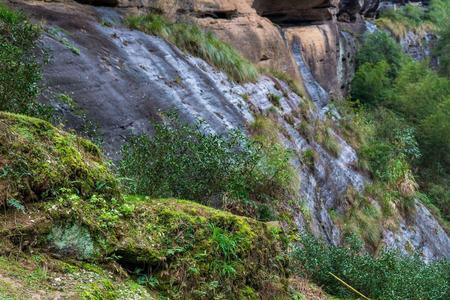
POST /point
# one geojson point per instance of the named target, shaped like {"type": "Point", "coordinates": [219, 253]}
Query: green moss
{"type": "Point", "coordinates": [39, 160]}
{"type": "Point", "coordinates": [28, 276]}
{"type": "Point", "coordinates": [183, 249]}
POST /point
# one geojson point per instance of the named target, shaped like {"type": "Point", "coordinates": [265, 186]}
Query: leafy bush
{"type": "Point", "coordinates": [435, 136]}
{"type": "Point", "coordinates": [185, 161]}
{"type": "Point", "coordinates": [388, 276]}
{"type": "Point", "coordinates": [439, 12]}
{"type": "Point", "coordinates": [407, 18]}
{"type": "Point", "coordinates": [380, 46]}
{"type": "Point", "coordinates": [198, 42]}
{"type": "Point", "coordinates": [410, 15]}
{"type": "Point", "coordinates": [442, 50]}
{"type": "Point", "coordinates": [20, 71]}
{"type": "Point", "coordinates": [371, 83]}
{"type": "Point", "coordinates": [410, 120]}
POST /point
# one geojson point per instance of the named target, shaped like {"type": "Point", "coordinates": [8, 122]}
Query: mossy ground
{"type": "Point", "coordinates": [27, 276]}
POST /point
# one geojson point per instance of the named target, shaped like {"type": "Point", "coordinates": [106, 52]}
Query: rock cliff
{"type": "Point", "coordinates": [122, 78]}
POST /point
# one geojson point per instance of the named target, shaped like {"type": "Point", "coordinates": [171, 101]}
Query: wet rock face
{"type": "Point", "coordinates": [318, 46]}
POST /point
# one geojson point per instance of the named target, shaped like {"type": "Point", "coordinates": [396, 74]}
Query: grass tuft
{"type": "Point", "coordinates": [198, 42]}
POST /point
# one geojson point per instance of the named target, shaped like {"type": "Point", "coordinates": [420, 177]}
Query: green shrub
{"type": "Point", "coordinates": [439, 12]}
{"type": "Point", "coordinates": [380, 46]}
{"type": "Point", "coordinates": [185, 161]}
{"type": "Point", "coordinates": [407, 104]}
{"type": "Point", "coordinates": [198, 42]}
{"type": "Point", "coordinates": [371, 83]}
{"type": "Point", "coordinates": [20, 71]}
{"type": "Point", "coordinates": [409, 15]}
{"type": "Point", "coordinates": [387, 276]}
{"type": "Point", "coordinates": [442, 50]}
{"type": "Point", "coordinates": [417, 91]}
{"type": "Point", "coordinates": [434, 136]}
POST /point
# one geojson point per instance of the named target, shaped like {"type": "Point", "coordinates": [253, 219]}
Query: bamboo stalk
{"type": "Point", "coordinates": [349, 286]}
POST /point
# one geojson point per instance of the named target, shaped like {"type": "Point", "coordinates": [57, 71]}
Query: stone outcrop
{"type": "Point", "coordinates": [319, 48]}
{"type": "Point", "coordinates": [257, 39]}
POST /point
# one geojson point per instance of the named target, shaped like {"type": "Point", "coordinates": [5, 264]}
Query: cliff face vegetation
{"type": "Point", "coordinates": [214, 149]}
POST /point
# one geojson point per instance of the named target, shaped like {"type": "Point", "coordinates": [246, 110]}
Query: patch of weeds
{"type": "Point", "coordinates": [325, 137]}
{"type": "Point", "coordinates": [88, 128]}
{"type": "Point", "coordinates": [309, 157]}
{"type": "Point", "coordinates": [295, 86]}
{"type": "Point", "coordinates": [59, 35]}
{"type": "Point", "coordinates": [274, 99]}
{"type": "Point", "coordinates": [246, 97]}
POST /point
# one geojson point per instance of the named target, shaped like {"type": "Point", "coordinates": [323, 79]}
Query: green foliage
{"type": "Point", "coordinates": [407, 18]}
{"type": "Point", "coordinates": [410, 123]}
{"type": "Point", "coordinates": [198, 42]}
{"type": "Point", "coordinates": [309, 158]}
{"type": "Point", "coordinates": [186, 161]}
{"type": "Point", "coordinates": [380, 46]}
{"type": "Point", "coordinates": [274, 99]}
{"type": "Point", "coordinates": [371, 82]}
{"type": "Point", "coordinates": [435, 136]}
{"type": "Point", "coordinates": [388, 276]}
{"type": "Point", "coordinates": [442, 50]}
{"type": "Point", "coordinates": [17, 205]}
{"type": "Point", "coordinates": [410, 15]}
{"type": "Point", "coordinates": [20, 71]}
{"type": "Point", "coordinates": [439, 12]}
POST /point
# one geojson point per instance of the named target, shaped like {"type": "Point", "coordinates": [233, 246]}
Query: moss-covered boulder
{"type": "Point", "coordinates": [38, 161]}
{"type": "Point", "coordinates": [190, 251]}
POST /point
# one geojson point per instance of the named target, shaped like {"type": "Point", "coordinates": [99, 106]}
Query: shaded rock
{"type": "Point", "coordinates": [288, 11]}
